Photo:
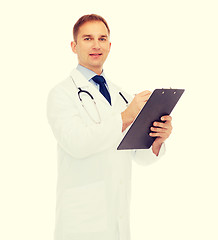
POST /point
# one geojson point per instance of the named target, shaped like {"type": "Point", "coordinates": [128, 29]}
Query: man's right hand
{"type": "Point", "coordinates": [129, 115]}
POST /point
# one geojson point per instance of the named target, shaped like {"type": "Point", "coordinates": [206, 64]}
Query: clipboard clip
{"type": "Point", "coordinates": [169, 88]}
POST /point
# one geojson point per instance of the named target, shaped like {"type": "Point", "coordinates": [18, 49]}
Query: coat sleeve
{"type": "Point", "coordinates": [72, 134]}
{"type": "Point", "coordinates": [147, 157]}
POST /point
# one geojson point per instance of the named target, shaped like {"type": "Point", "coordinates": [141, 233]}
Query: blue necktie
{"type": "Point", "coordinates": [101, 81]}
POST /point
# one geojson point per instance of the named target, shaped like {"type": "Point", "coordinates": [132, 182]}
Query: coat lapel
{"type": "Point", "coordinates": [114, 92]}
{"type": "Point", "coordinates": [81, 82]}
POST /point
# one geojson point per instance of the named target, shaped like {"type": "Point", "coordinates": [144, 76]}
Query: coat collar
{"type": "Point", "coordinates": [83, 83]}
{"type": "Point", "coordinates": [79, 79]}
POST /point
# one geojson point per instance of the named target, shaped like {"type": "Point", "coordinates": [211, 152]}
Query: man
{"type": "Point", "coordinates": [93, 188]}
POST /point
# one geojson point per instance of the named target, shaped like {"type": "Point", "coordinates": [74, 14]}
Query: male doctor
{"type": "Point", "coordinates": [93, 187]}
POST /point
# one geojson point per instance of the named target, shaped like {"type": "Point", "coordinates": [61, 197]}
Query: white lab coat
{"type": "Point", "coordinates": [94, 179]}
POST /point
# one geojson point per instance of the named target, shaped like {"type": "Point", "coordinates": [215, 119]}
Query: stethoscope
{"type": "Point", "coordinates": [93, 100]}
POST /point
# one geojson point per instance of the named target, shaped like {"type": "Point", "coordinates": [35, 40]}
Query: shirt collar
{"type": "Point", "coordinates": [87, 73]}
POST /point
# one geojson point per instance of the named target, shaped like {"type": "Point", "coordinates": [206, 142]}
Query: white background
{"type": "Point", "coordinates": [155, 44]}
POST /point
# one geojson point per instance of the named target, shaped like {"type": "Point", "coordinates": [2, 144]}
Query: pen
{"type": "Point", "coordinates": [123, 97]}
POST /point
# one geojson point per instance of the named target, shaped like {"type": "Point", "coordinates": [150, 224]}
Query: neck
{"type": "Point", "coordinates": [97, 70]}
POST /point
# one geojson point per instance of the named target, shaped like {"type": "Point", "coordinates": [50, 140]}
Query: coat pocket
{"type": "Point", "coordinates": [85, 209]}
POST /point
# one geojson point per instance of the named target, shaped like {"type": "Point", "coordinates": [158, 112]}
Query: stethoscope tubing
{"type": "Point", "coordinates": [84, 91]}
{"type": "Point", "coordinates": [90, 95]}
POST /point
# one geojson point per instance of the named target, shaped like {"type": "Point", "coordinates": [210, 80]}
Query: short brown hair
{"type": "Point", "coordinates": [88, 18]}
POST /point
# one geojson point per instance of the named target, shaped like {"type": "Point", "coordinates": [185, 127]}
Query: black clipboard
{"type": "Point", "coordinates": [160, 103]}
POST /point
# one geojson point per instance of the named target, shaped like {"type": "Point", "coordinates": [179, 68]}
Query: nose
{"type": "Point", "coordinates": [96, 44]}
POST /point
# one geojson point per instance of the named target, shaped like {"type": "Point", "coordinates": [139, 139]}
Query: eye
{"type": "Point", "coordinates": [102, 39]}
{"type": "Point", "coordinates": [87, 39]}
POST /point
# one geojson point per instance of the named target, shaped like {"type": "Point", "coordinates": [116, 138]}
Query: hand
{"type": "Point", "coordinates": [129, 115]}
{"type": "Point", "coordinates": [162, 131]}
{"type": "Point", "coordinates": [138, 103]}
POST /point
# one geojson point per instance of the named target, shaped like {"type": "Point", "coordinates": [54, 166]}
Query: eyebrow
{"type": "Point", "coordinates": [90, 35]}
{"type": "Point", "coordinates": [106, 36]}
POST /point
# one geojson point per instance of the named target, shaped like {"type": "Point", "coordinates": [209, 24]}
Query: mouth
{"type": "Point", "coordinates": [95, 54]}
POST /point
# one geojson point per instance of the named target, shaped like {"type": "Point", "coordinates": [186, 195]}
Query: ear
{"type": "Point", "coordinates": [73, 46]}
{"type": "Point", "coordinates": [110, 46]}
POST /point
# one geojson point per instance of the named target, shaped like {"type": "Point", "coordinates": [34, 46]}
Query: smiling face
{"type": "Point", "coordinates": [92, 45]}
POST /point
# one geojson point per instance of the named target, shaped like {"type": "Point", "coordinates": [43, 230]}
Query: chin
{"type": "Point", "coordinates": [96, 65]}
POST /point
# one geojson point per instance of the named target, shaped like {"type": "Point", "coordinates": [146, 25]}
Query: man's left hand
{"type": "Point", "coordinates": [161, 130]}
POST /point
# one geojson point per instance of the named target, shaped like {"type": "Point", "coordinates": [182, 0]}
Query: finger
{"type": "Point", "coordinates": [143, 99]}
{"type": "Point", "coordinates": [161, 125]}
{"type": "Point", "coordinates": [158, 134]}
{"type": "Point", "coordinates": [166, 118]}
{"type": "Point", "coordinates": [146, 97]}
{"type": "Point", "coordinates": [144, 93]}
{"type": "Point", "coordinates": [158, 130]}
